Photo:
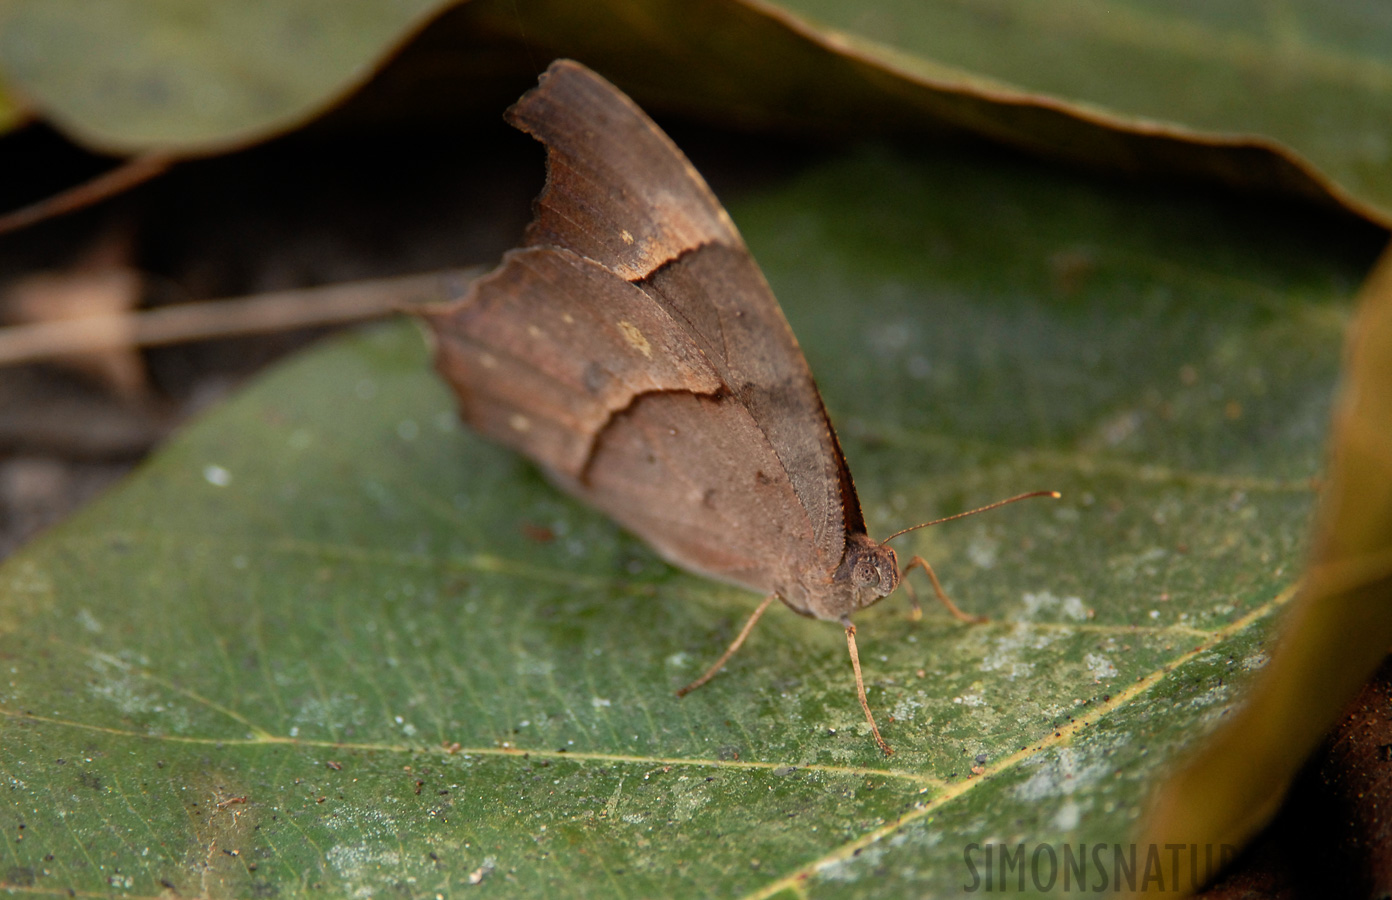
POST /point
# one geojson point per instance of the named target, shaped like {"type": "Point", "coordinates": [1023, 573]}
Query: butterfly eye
{"type": "Point", "coordinates": [866, 573]}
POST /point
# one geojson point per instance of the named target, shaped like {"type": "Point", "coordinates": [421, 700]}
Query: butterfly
{"type": "Point", "coordinates": [632, 348]}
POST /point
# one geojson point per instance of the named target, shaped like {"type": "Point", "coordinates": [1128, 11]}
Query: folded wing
{"type": "Point", "coordinates": [620, 192]}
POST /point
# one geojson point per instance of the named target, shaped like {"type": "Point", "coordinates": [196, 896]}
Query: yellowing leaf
{"type": "Point", "coordinates": [1335, 635]}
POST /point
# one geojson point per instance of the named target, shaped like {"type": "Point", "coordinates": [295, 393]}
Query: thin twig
{"type": "Point", "coordinates": [123, 177]}
{"type": "Point", "coordinates": [258, 314]}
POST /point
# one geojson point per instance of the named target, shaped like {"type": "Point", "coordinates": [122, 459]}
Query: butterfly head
{"type": "Point", "coordinates": [868, 573]}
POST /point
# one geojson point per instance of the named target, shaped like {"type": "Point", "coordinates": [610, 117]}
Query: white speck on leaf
{"type": "Point", "coordinates": [483, 871]}
{"type": "Point", "coordinates": [983, 551]}
{"type": "Point", "coordinates": [1044, 605]}
{"type": "Point", "coordinates": [1006, 653]}
{"type": "Point", "coordinates": [1099, 666]}
{"type": "Point", "coordinates": [1068, 772]}
{"type": "Point", "coordinates": [1073, 609]}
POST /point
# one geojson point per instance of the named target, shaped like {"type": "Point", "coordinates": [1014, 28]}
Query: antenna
{"type": "Point", "coordinates": [971, 512]}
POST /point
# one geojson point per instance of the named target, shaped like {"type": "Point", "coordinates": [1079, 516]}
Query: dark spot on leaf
{"type": "Point", "coordinates": [87, 779]}
{"type": "Point", "coordinates": [784, 770]}
{"type": "Point", "coordinates": [20, 876]}
{"type": "Point", "coordinates": [727, 753]}
{"type": "Point", "coordinates": [264, 889]}
{"type": "Point", "coordinates": [539, 533]}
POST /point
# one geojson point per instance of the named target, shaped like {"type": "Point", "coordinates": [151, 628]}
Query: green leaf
{"type": "Point", "coordinates": [323, 642]}
{"type": "Point", "coordinates": [1310, 76]}
{"type": "Point", "coordinates": [131, 75]}
{"type": "Point", "coordinates": [1294, 98]}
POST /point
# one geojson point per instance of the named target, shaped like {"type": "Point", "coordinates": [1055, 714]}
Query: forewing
{"type": "Point", "coordinates": [621, 193]}
{"type": "Point", "coordinates": [618, 190]}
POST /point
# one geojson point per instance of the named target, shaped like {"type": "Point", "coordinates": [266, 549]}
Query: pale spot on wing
{"type": "Point", "coordinates": [627, 238]}
{"type": "Point", "coordinates": [635, 338]}
{"type": "Point", "coordinates": [567, 318]}
{"type": "Point", "coordinates": [519, 422]}
{"type": "Point", "coordinates": [488, 360]}
{"type": "Point", "coordinates": [534, 331]}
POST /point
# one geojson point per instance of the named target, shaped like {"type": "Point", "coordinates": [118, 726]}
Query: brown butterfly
{"type": "Point", "coordinates": [633, 349]}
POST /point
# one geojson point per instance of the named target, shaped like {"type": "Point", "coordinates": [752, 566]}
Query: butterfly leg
{"type": "Point", "coordinates": [729, 651]}
{"type": "Point", "coordinates": [915, 608]}
{"type": "Point", "coordinates": [860, 686]}
{"type": "Point", "coordinates": [937, 587]}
